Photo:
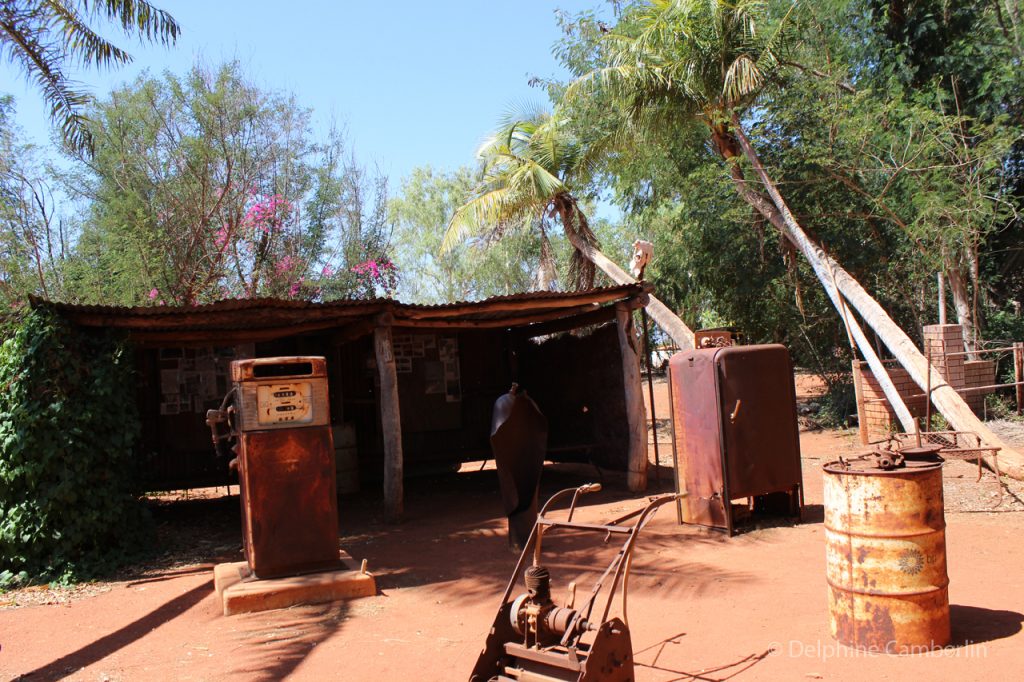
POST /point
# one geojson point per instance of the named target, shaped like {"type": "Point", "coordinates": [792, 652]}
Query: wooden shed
{"type": "Point", "coordinates": [411, 386]}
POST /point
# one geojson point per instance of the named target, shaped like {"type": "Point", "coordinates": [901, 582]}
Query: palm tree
{"type": "Point", "coordinates": [710, 60]}
{"type": "Point", "coordinates": [42, 36]}
{"type": "Point", "coordinates": [529, 166]}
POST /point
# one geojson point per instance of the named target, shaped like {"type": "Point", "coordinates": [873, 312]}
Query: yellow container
{"type": "Point", "coordinates": [886, 550]}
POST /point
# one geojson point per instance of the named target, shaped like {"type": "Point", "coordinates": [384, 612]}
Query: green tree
{"type": "Point", "coordinates": [472, 269]}
{"type": "Point", "coordinates": [33, 234]}
{"type": "Point", "coordinates": [530, 165]}
{"type": "Point", "coordinates": [207, 187]}
{"type": "Point", "coordinates": [43, 36]}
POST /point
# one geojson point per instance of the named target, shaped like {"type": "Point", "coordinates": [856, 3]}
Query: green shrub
{"type": "Point", "coordinates": [68, 422]}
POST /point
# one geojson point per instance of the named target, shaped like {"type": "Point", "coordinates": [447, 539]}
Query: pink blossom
{"type": "Point", "coordinates": [153, 293]}
{"type": "Point", "coordinates": [221, 237]}
{"type": "Point", "coordinates": [284, 265]}
{"type": "Point", "coordinates": [328, 271]}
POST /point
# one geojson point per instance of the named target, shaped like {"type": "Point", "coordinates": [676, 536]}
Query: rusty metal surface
{"type": "Point", "coordinates": [886, 555]}
{"type": "Point", "coordinates": [736, 434]}
{"type": "Point", "coordinates": [259, 312]}
{"type": "Point", "coordinates": [286, 470]}
{"type": "Point", "coordinates": [290, 510]}
{"type": "Point", "coordinates": [519, 436]}
{"type": "Point", "coordinates": [531, 638]}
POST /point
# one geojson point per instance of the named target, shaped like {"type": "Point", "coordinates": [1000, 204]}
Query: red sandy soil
{"type": "Point", "coordinates": [701, 606]}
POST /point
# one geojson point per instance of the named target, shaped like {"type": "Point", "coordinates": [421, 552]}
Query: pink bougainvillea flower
{"type": "Point", "coordinates": [153, 293]}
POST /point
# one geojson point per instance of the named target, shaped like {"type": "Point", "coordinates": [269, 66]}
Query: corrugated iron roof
{"type": "Point", "coordinates": [291, 316]}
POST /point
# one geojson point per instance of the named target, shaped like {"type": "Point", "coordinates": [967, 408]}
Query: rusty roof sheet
{"type": "Point", "coordinates": [238, 315]}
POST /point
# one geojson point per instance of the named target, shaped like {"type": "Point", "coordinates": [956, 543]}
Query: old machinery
{"type": "Point", "coordinates": [534, 639]}
{"type": "Point", "coordinates": [735, 434]}
{"type": "Point", "coordinates": [519, 437]}
{"type": "Point", "coordinates": [276, 422]}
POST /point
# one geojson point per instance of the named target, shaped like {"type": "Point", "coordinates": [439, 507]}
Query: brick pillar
{"type": "Point", "coordinates": [939, 341]}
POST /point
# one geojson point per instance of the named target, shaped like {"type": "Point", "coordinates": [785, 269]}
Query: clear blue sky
{"type": "Point", "coordinates": [413, 82]}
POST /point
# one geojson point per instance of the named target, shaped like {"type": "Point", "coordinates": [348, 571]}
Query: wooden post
{"type": "Point", "coordinates": [670, 323]}
{"type": "Point", "coordinates": [636, 419]}
{"type": "Point", "coordinates": [390, 418]}
{"type": "Point", "coordinates": [862, 413]}
{"type": "Point", "coordinates": [1018, 372]}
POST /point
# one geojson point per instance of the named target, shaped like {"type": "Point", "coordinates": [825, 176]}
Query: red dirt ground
{"type": "Point", "coordinates": [700, 606]}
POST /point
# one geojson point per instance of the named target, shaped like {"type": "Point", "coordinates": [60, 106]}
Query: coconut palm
{"type": "Point", "coordinates": [711, 60]}
{"type": "Point", "coordinates": [42, 36]}
{"type": "Point", "coordinates": [530, 165]}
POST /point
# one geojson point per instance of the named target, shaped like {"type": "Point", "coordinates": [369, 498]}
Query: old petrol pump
{"type": "Point", "coordinates": [276, 423]}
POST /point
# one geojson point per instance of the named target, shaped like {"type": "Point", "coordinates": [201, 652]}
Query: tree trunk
{"type": "Point", "coordinates": [962, 304]}
{"type": "Point", "coordinates": [670, 323]}
{"type": "Point", "coordinates": [945, 398]}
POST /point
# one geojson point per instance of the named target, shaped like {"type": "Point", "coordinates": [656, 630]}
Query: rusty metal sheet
{"type": "Point", "coordinates": [886, 556]}
{"type": "Point", "coordinates": [519, 436]}
{"type": "Point", "coordinates": [758, 403]}
{"type": "Point", "coordinates": [289, 505]}
{"type": "Point", "coordinates": [698, 437]}
{"type": "Point", "coordinates": [736, 434]}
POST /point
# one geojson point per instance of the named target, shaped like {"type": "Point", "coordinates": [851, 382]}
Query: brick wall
{"type": "Point", "coordinates": [877, 418]}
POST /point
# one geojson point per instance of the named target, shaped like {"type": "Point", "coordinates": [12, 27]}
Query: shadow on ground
{"type": "Point", "coordinates": [974, 625]}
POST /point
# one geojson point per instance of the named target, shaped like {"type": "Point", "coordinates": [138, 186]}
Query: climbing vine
{"type": "Point", "coordinates": [68, 423]}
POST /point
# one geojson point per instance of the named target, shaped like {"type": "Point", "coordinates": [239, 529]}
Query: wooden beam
{"type": "Point", "coordinates": [636, 417]}
{"type": "Point", "coordinates": [226, 337]}
{"type": "Point", "coordinates": [390, 418]}
{"type": "Point", "coordinates": [669, 322]}
{"type": "Point", "coordinates": [498, 323]}
{"type": "Point", "coordinates": [566, 300]}
{"type": "Point", "coordinates": [858, 392]}
{"type": "Point", "coordinates": [832, 276]}
{"type": "Point", "coordinates": [599, 316]}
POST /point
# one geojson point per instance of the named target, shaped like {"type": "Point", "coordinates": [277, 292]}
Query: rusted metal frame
{"type": "Point", "coordinates": [722, 463]}
{"type": "Point", "coordinates": [630, 543]}
{"type": "Point", "coordinates": [535, 538]}
{"type": "Point", "coordinates": [624, 552]}
{"type": "Point", "coordinates": [972, 389]}
{"type": "Point", "coordinates": [552, 524]}
{"type": "Point", "coordinates": [1018, 374]}
{"type": "Point", "coordinates": [957, 354]}
{"type": "Point", "coordinates": [675, 456]}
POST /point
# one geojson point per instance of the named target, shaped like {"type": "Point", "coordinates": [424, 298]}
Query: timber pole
{"type": "Point", "coordinates": [944, 397]}
{"type": "Point", "coordinates": [390, 418]}
{"type": "Point", "coordinates": [636, 418]}
{"type": "Point", "coordinates": [670, 323]}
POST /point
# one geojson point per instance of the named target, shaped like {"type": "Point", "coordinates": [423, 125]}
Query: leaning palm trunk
{"type": "Point", "coordinates": [946, 399]}
{"type": "Point", "coordinates": [659, 312]}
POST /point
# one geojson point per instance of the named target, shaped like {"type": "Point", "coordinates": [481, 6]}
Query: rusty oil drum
{"type": "Point", "coordinates": [886, 554]}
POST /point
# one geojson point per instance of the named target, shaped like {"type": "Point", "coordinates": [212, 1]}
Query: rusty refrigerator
{"type": "Point", "coordinates": [735, 434]}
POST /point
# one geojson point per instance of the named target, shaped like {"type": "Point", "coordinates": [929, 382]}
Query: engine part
{"type": "Point", "coordinates": [532, 639]}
